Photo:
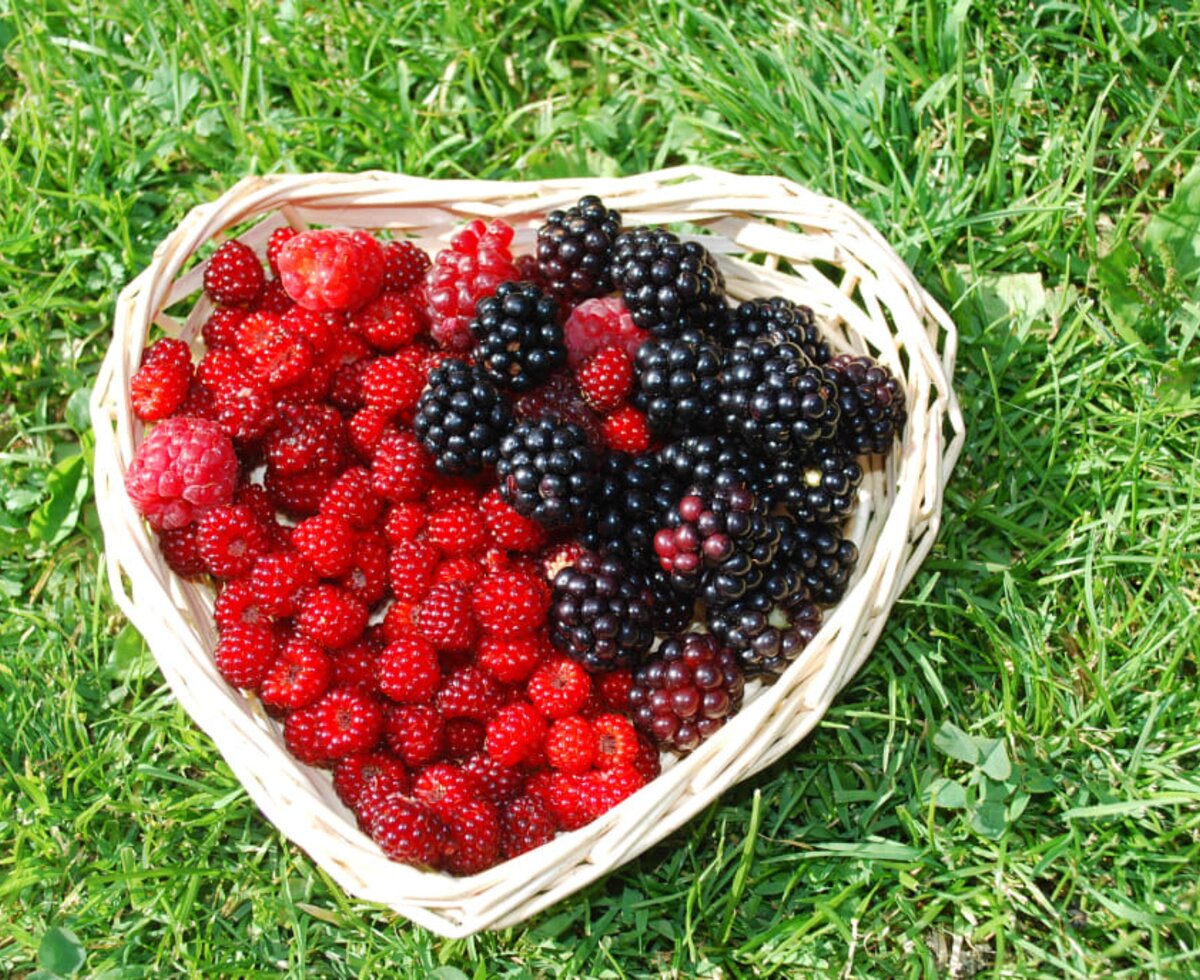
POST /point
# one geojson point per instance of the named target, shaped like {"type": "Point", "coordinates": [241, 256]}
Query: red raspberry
{"type": "Point", "coordinates": [327, 543]}
{"type": "Point", "coordinates": [559, 687]}
{"type": "Point", "coordinates": [403, 522]}
{"type": "Point", "coordinates": [234, 275]}
{"type": "Point", "coordinates": [463, 737]}
{"type": "Point", "coordinates": [407, 671]}
{"type": "Point", "coordinates": [185, 466]}
{"type": "Point", "coordinates": [571, 744]}
{"type": "Point", "coordinates": [302, 738]}
{"type": "Point", "coordinates": [562, 555]}
{"type": "Point", "coordinates": [179, 550]}
{"type": "Point", "coordinates": [198, 404]}
{"type": "Point", "coordinates": [443, 787]}
{"type": "Point", "coordinates": [255, 497]}
{"type": "Point", "coordinates": [457, 530]}
{"type": "Point", "coordinates": [452, 491]}
{"type": "Point", "coordinates": [376, 771]}
{"type": "Point", "coordinates": [569, 797]}
{"type": "Point", "coordinates": [273, 299]}
{"type": "Point", "coordinates": [511, 602]}
{"type": "Point", "coordinates": [474, 844]}
{"type": "Point", "coordinates": [401, 469]}
{"type": "Point", "coordinates": [611, 786]}
{"type": "Point", "coordinates": [598, 323]}
{"type": "Point", "coordinates": [272, 354]}
{"type": "Point", "coordinates": [367, 577]}
{"type": "Point", "coordinates": [615, 686]}
{"type": "Point", "coordinates": [220, 366]}
{"type": "Point", "coordinates": [606, 379]}
{"type": "Point", "coordinates": [515, 734]}
{"type": "Point", "coordinates": [231, 539]}
{"type": "Point", "coordinates": [354, 666]}
{"type": "Point", "coordinates": [299, 676]}
{"type": "Point", "coordinates": [163, 381]}
{"type": "Point", "coordinates": [525, 823]}
{"type": "Point", "coordinates": [279, 238]}
{"type": "Point", "coordinates": [416, 733]}
{"type": "Point", "coordinates": [512, 659]}
{"type": "Point", "coordinates": [237, 605]}
{"type": "Point", "coordinates": [470, 693]}
{"type": "Point", "coordinates": [331, 270]}
{"type": "Point", "coordinates": [298, 494]}
{"type": "Point", "coordinates": [647, 761]}
{"type": "Point", "coordinates": [508, 528]}
{"type": "Point", "coordinates": [244, 654]}
{"type": "Point", "coordinates": [616, 741]}
{"type": "Point", "coordinates": [388, 322]}
{"type": "Point", "coordinates": [444, 617]}
{"type": "Point", "coordinates": [220, 329]}
{"type": "Point", "coordinates": [468, 571]}
{"type": "Point", "coordinates": [346, 721]}
{"type": "Point", "coordinates": [307, 439]}
{"type": "Point", "coordinates": [477, 261]}
{"type": "Point", "coordinates": [410, 832]}
{"type": "Point", "coordinates": [367, 428]}
{"type": "Point", "coordinates": [244, 408]}
{"type": "Point", "coordinates": [391, 386]}
{"type": "Point", "coordinates": [411, 569]}
{"type": "Point", "coordinates": [352, 497]}
{"type": "Point", "coordinates": [321, 331]}
{"type": "Point", "coordinates": [405, 265]}
{"type": "Point", "coordinates": [331, 616]}
{"type": "Point", "coordinates": [398, 621]}
{"type": "Point", "coordinates": [626, 431]}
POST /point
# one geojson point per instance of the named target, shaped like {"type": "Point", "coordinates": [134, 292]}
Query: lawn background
{"type": "Point", "coordinates": [1036, 164]}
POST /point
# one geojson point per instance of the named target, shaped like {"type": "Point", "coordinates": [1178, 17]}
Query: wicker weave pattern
{"type": "Point", "coordinates": [876, 307]}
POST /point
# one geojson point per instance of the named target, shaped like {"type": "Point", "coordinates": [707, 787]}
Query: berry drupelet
{"type": "Point", "coordinates": [779, 318]}
{"type": "Point", "coordinates": [546, 471]}
{"type": "Point", "coordinates": [669, 286]}
{"type": "Point", "coordinates": [872, 404]}
{"type": "Point", "coordinates": [678, 383]}
{"type": "Point", "coordinates": [574, 249]}
{"type": "Point", "coordinates": [518, 335]}
{"type": "Point", "coordinates": [461, 418]}
{"type": "Point", "coordinates": [601, 616]}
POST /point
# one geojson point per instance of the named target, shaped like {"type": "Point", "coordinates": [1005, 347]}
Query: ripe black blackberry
{"type": "Point", "coordinates": [818, 484]}
{"type": "Point", "coordinates": [518, 335]}
{"type": "Point", "coordinates": [820, 554]}
{"type": "Point", "coordinates": [461, 418]}
{"type": "Point", "coordinates": [678, 381]}
{"type": "Point", "coordinates": [546, 470]}
{"type": "Point", "coordinates": [632, 493]}
{"type": "Point", "coordinates": [774, 399]}
{"type": "Point", "coordinates": [601, 614]}
{"type": "Point", "coordinates": [686, 691]}
{"type": "Point", "coordinates": [669, 286]}
{"type": "Point", "coordinates": [574, 249]}
{"type": "Point", "coordinates": [716, 542]}
{"type": "Point", "coordinates": [768, 627]}
{"type": "Point", "coordinates": [699, 459]}
{"type": "Point", "coordinates": [871, 402]}
{"type": "Point", "coordinates": [779, 318]}
{"type": "Point", "coordinates": [673, 611]}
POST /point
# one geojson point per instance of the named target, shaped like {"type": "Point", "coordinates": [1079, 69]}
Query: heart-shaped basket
{"type": "Point", "coordinates": [771, 237]}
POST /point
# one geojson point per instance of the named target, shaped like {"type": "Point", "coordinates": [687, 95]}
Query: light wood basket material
{"type": "Point", "coordinates": [866, 300]}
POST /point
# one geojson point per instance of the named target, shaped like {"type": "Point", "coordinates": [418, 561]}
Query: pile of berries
{"type": "Point", "coordinates": [465, 512]}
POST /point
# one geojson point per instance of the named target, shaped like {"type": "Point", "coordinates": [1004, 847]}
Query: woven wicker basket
{"type": "Point", "coordinates": [865, 299]}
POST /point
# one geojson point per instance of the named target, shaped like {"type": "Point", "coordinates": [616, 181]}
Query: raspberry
{"type": "Point", "coordinates": [403, 522]}
{"type": "Point", "coordinates": [571, 744]}
{"type": "Point", "coordinates": [179, 550]}
{"type": "Point", "coordinates": [525, 823]}
{"type": "Point", "coordinates": [410, 832]}
{"type": "Point", "coordinates": [366, 429]}
{"type": "Point", "coordinates": [407, 671]}
{"type": "Point", "coordinates": [606, 379]}
{"type": "Point", "coordinates": [401, 469]}
{"type": "Point", "coordinates": [626, 431]}
{"type": "Point", "coordinates": [244, 654]}
{"type": "Point", "coordinates": [184, 467]}
{"type": "Point", "coordinates": [230, 539]}
{"type": "Point", "coordinates": [234, 276]}
{"type": "Point", "coordinates": [444, 787]}
{"type": "Point", "coordinates": [568, 796]}
{"type": "Point", "coordinates": [376, 771]}
{"type": "Point", "coordinates": [511, 659]}
{"type": "Point", "coordinates": [452, 492]}
{"type": "Point", "coordinates": [237, 605]}
{"type": "Point", "coordinates": [611, 786]}
{"type": "Point", "coordinates": [478, 260]}
{"type": "Point", "coordinates": [515, 733]}
{"type": "Point", "coordinates": [496, 783]}
{"type": "Point", "coordinates": [366, 578]}
{"type": "Point", "coordinates": [614, 688]}
{"type": "Point", "coordinates": [598, 323]}
{"type": "Point", "coordinates": [244, 408]}
{"type": "Point", "coordinates": [162, 383]}
{"type": "Point", "coordinates": [346, 721]}
{"type": "Point", "coordinates": [559, 687]}
{"type": "Point", "coordinates": [444, 617]}
{"type": "Point", "coordinates": [331, 270]}
{"type": "Point", "coordinates": [562, 555]}
{"type": "Point", "coordinates": [411, 569]}
{"type": "Point", "coordinates": [322, 331]}
{"type": "Point", "coordinates": [354, 666]}
{"type": "Point", "coordinates": [474, 838]}
{"type": "Point", "coordinates": [298, 677]}
{"type": "Point", "coordinates": [616, 741]}
{"type": "Point", "coordinates": [416, 733]}
{"type": "Point", "coordinates": [470, 693]}
{"type": "Point", "coordinates": [388, 322]}
{"type": "Point", "coordinates": [509, 603]}
{"type": "Point", "coordinates": [391, 386]}
{"type": "Point", "coordinates": [273, 299]}
{"type": "Point", "coordinates": [302, 737]}
{"type": "Point", "coordinates": [327, 543]}
{"type": "Point", "coordinates": [464, 737]}
{"type": "Point", "coordinates": [220, 329]}
{"type": "Point", "coordinates": [299, 494]}
{"type": "Point", "coordinates": [646, 762]}
{"type": "Point", "coordinates": [457, 530]}
{"type": "Point", "coordinates": [272, 353]}
{"type": "Point", "coordinates": [278, 580]}
{"type": "Point", "coordinates": [508, 528]}
{"type": "Point", "coordinates": [279, 238]}
{"type": "Point", "coordinates": [331, 616]}
{"type": "Point", "coordinates": [467, 571]}
{"type": "Point", "coordinates": [404, 265]}
{"type": "Point", "coordinates": [352, 498]}
{"type": "Point", "coordinates": [308, 439]}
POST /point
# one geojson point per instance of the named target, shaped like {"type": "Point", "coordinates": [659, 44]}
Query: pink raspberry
{"type": "Point", "coordinates": [331, 270]}
{"type": "Point", "coordinates": [185, 467]}
{"type": "Point", "coordinates": [478, 260]}
{"type": "Point", "coordinates": [598, 323]}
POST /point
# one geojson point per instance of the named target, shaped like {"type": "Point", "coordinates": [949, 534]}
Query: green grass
{"type": "Point", "coordinates": [1037, 167]}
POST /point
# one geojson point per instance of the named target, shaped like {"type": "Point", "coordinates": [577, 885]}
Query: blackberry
{"type": "Point", "coordinates": [700, 458]}
{"type": "Point", "coordinates": [774, 399]}
{"type": "Point", "coordinates": [518, 336]}
{"type": "Point", "coordinates": [673, 611]}
{"type": "Point", "coordinates": [686, 691]}
{"type": "Point", "coordinates": [820, 554]}
{"type": "Point", "coordinates": [669, 286]}
{"type": "Point", "coordinates": [716, 542]}
{"type": "Point", "coordinates": [574, 249]}
{"type": "Point", "coordinates": [872, 404]}
{"type": "Point", "coordinates": [820, 484]}
{"type": "Point", "coordinates": [461, 418]}
{"type": "Point", "coordinates": [546, 470]}
{"type": "Point", "coordinates": [678, 381]}
{"type": "Point", "coordinates": [632, 494]}
{"type": "Point", "coordinates": [600, 615]}
{"type": "Point", "coordinates": [768, 627]}
{"type": "Point", "coordinates": [779, 318]}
